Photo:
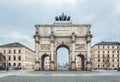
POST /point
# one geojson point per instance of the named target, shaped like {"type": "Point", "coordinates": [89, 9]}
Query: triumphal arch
{"type": "Point", "coordinates": [63, 33]}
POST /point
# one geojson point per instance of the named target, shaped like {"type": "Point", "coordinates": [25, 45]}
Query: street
{"type": "Point", "coordinates": [59, 76]}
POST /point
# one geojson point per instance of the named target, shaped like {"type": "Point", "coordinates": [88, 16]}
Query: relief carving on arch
{"type": "Point", "coordinates": [45, 46]}
{"type": "Point", "coordinates": [80, 30]}
{"type": "Point", "coordinates": [45, 31]}
{"type": "Point", "coordinates": [80, 46]}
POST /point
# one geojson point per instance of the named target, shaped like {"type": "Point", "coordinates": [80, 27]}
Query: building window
{"type": "Point", "coordinates": [112, 65]}
{"type": "Point", "coordinates": [98, 65]}
{"type": "Point", "coordinates": [9, 64]}
{"type": "Point", "coordinates": [9, 58]}
{"type": "Point", "coordinates": [108, 51]}
{"type": "Point", "coordinates": [4, 58]}
{"type": "Point", "coordinates": [98, 47]}
{"type": "Point", "coordinates": [117, 60]}
{"type": "Point", "coordinates": [108, 55]}
{"type": "Point", "coordinates": [14, 64]}
{"type": "Point", "coordinates": [103, 65]}
{"type": "Point", "coordinates": [14, 58]}
{"type": "Point", "coordinates": [118, 52]}
{"type": "Point", "coordinates": [19, 58]}
{"type": "Point", "coordinates": [14, 51]}
{"type": "Point", "coordinates": [103, 52]}
{"type": "Point", "coordinates": [103, 47]}
{"type": "Point", "coordinates": [19, 51]}
{"type": "Point", "coordinates": [117, 55]}
{"type": "Point", "coordinates": [19, 64]}
{"type": "Point", "coordinates": [9, 52]}
{"type": "Point", "coordinates": [112, 60]}
{"type": "Point", "coordinates": [75, 58]}
{"type": "Point", "coordinates": [103, 60]}
{"type": "Point", "coordinates": [98, 55]}
{"type": "Point", "coordinates": [113, 55]}
{"type": "Point", "coordinates": [112, 51]}
{"type": "Point", "coordinates": [117, 47]}
{"type": "Point", "coordinates": [108, 47]}
{"type": "Point", "coordinates": [98, 60]}
{"type": "Point", "coordinates": [4, 51]}
{"type": "Point", "coordinates": [103, 55]}
{"type": "Point", "coordinates": [98, 51]}
{"type": "Point", "coordinates": [112, 47]}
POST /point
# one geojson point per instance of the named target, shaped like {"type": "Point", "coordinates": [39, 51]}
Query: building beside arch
{"type": "Point", "coordinates": [76, 38]}
{"type": "Point", "coordinates": [106, 55]}
{"type": "Point", "coordinates": [17, 56]}
{"type": "Point", "coordinates": [2, 61]}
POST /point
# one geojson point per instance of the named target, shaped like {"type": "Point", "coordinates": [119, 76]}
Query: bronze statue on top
{"type": "Point", "coordinates": [62, 18]}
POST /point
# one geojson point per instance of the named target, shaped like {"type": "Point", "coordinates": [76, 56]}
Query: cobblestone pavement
{"type": "Point", "coordinates": [60, 79]}
{"type": "Point", "coordinates": [60, 76]}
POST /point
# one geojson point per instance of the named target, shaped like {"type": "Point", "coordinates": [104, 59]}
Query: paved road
{"type": "Point", "coordinates": [60, 76]}
{"type": "Point", "coordinates": [60, 79]}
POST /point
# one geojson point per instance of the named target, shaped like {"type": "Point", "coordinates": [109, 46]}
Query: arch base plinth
{"type": "Point", "coordinates": [73, 66]}
{"type": "Point", "coordinates": [88, 65]}
{"type": "Point", "coordinates": [52, 66]}
{"type": "Point", "coordinates": [37, 66]}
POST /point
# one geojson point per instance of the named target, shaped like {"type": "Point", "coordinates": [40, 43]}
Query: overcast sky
{"type": "Point", "coordinates": [18, 17]}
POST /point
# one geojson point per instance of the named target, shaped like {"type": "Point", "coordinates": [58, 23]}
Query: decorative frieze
{"type": "Point", "coordinates": [80, 30]}
{"type": "Point", "coordinates": [80, 46]}
{"type": "Point", "coordinates": [45, 46]}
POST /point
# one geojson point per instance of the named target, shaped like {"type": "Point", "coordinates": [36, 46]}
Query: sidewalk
{"type": "Point", "coordinates": [58, 73]}
{"type": "Point", "coordinates": [13, 72]}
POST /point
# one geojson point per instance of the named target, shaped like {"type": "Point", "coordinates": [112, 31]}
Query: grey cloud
{"type": "Point", "coordinates": [103, 15]}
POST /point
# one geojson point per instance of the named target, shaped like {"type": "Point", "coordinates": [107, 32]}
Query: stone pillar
{"type": "Point", "coordinates": [88, 51]}
{"type": "Point", "coordinates": [52, 51]}
{"type": "Point", "coordinates": [88, 62]}
{"type": "Point", "coordinates": [37, 66]}
{"type": "Point", "coordinates": [36, 50]}
{"type": "Point", "coordinates": [73, 64]}
{"type": "Point", "coordinates": [73, 51]}
{"type": "Point", "coordinates": [37, 63]}
{"type": "Point", "coordinates": [52, 63]}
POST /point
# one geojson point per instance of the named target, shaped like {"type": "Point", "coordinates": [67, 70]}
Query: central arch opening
{"type": "Point", "coordinates": [62, 57]}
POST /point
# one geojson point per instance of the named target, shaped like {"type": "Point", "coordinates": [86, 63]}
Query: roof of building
{"type": "Point", "coordinates": [108, 43]}
{"type": "Point", "coordinates": [15, 44]}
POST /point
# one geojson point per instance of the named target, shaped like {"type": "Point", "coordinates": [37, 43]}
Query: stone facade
{"type": "Point", "coordinates": [62, 33]}
{"type": "Point", "coordinates": [2, 61]}
{"type": "Point", "coordinates": [18, 56]}
{"type": "Point", "coordinates": [106, 55]}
